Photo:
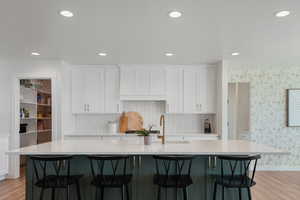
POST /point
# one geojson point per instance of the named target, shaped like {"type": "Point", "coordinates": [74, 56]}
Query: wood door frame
{"type": "Point", "coordinates": [14, 138]}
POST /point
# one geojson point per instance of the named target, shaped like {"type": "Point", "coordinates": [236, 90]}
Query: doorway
{"type": "Point", "coordinates": [35, 113]}
{"type": "Point", "coordinates": [238, 110]}
{"type": "Point", "coordinates": [34, 116]}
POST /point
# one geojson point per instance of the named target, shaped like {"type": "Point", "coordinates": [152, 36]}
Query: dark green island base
{"type": "Point", "coordinates": [141, 188]}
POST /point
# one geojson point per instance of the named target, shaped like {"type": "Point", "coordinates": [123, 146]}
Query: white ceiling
{"type": "Point", "coordinates": [140, 31]}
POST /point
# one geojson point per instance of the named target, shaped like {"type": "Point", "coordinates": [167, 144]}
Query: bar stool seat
{"type": "Point", "coordinates": [235, 181]}
{"type": "Point", "coordinates": [52, 181]}
{"type": "Point", "coordinates": [180, 181]}
{"type": "Point", "coordinates": [111, 181]}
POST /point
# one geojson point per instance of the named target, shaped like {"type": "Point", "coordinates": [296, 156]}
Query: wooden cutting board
{"type": "Point", "coordinates": [131, 121]}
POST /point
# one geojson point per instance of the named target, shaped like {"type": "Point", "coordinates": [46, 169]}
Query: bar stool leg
{"type": "Point", "coordinates": [158, 193]}
{"type": "Point", "coordinates": [215, 191]}
{"type": "Point", "coordinates": [78, 190]}
{"type": "Point", "coordinates": [53, 194]}
{"type": "Point", "coordinates": [240, 193]}
{"type": "Point", "coordinates": [166, 193]}
{"type": "Point", "coordinates": [68, 192]}
{"type": "Point", "coordinates": [249, 193]}
{"type": "Point", "coordinates": [41, 194]}
{"type": "Point", "coordinates": [102, 193]}
{"type": "Point", "coordinates": [223, 193]}
{"type": "Point", "coordinates": [127, 192]}
{"type": "Point", "coordinates": [122, 192]}
{"type": "Point", "coordinates": [184, 194]}
{"type": "Point", "coordinates": [96, 193]}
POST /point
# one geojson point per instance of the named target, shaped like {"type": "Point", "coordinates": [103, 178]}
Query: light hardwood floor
{"type": "Point", "coordinates": [270, 186]}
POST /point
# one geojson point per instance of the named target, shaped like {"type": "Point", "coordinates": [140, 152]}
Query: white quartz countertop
{"type": "Point", "coordinates": [94, 134]}
{"type": "Point", "coordinates": [117, 147]}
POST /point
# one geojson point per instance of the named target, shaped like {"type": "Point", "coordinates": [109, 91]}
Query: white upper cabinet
{"type": "Point", "coordinates": [174, 90]}
{"type": "Point", "coordinates": [95, 90]}
{"type": "Point", "coordinates": [128, 81]}
{"type": "Point", "coordinates": [112, 90]}
{"type": "Point", "coordinates": [200, 90]}
{"type": "Point", "coordinates": [158, 81]}
{"type": "Point", "coordinates": [78, 88]}
{"type": "Point", "coordinates": [191, 89]}
{"type": "Point", "coordinates": [211, 88]}
{"type": "Point", "coordinates": [88, 90]}
{"type": "Point", "coordinates": [186, 89]}
{"type": "Point", "coordinates": [142, 83]}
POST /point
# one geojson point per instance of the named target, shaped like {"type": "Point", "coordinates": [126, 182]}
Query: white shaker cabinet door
{"type": "Point", "coordinates": [157, 82]}
{"type": "Point", "coordinates": [211, 100]}
{"type": "Point", "coordinates": [206, 89]}
{"type": "Point", "coordinates": [128, 81]}
{"type": "Point", "coordinates": [190, 91]}
{"type": "Point", "coordinates": [78, 88]}
{"type": "Point", "coordinates": [174, 90]}
{"type": "Point", "coordinates": [94, 90]}
{"type": "Point", "coordinates": [112, 91]}
{"type": "Point", "coordinates": [142, 84]}
{"type": "Point", "coordinates": [201, 90]}
{"type": "Point", "coordinates": [87, 90]}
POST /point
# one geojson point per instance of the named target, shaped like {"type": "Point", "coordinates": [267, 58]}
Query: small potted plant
{"type": "Point", "coordinates": [146, 134]}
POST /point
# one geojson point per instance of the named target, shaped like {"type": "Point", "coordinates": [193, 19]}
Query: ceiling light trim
{"type": "Point", "coordinates": [66, 13]}
{"type": "Point", "coordinates": [34, 53]}
{"type": "Point", "coordinates": [282, 13]}
{"type": "Point", "coordinates": [175, 14]}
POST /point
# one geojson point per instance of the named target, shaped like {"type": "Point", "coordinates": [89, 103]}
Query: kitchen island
{"type": "Point", "coordinates": [204, 168]}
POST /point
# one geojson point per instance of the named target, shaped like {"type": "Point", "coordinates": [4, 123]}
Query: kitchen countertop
{"type": "Point", "coordinates": [117, 147]}
{"type": "Point", "coordinates": [95, 134]}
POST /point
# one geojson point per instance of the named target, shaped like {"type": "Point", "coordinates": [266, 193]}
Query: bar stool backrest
{"type": "Point", "coordinates": [173, 165]}
{"type": "Point", "coordinates": [109, 165]}
{"type": "Point", "coordinates": [51, 166]}
{"type": "Point", "coordinates": [243, 167]}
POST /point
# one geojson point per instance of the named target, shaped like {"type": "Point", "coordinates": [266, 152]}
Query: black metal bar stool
{"type": "Point", "coordinates": [54, 172]}
{"type": "Point", "coordinates": [110, 172]}
{"type": "Point", "coordinates": [241, 174]}
{"type": "Point", "coordinates": [173, 172]}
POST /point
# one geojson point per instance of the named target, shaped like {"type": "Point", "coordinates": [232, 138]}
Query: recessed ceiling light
{"type": "Point", "coordinates": [235, 53]}
{"type": "Point", "coordinates": [35, 54]}
{"type": "Point", "coordinates": [283, 13]}
{"type": "Point", "coordinates": [169, 54]}
{"type": "Point", "coordinates": [66, 13]}
{"type": "Point", "coordinates": [175, 14]}
{"type": "Point", "coordinates": [102, 54]}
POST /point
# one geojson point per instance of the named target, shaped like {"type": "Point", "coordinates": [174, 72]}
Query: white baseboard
{"type": "Point", "coordinates": [3, 174]}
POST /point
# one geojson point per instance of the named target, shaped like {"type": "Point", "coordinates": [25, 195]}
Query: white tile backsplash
{"type": "Point", "coordinates": [151, 111]}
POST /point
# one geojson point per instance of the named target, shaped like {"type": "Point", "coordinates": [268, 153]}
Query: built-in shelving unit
{"type": "Point", "coordinates": [35, 112]}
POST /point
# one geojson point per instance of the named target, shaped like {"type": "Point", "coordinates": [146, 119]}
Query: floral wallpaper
{"type": "Point", "coordinates": [268, 86]}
